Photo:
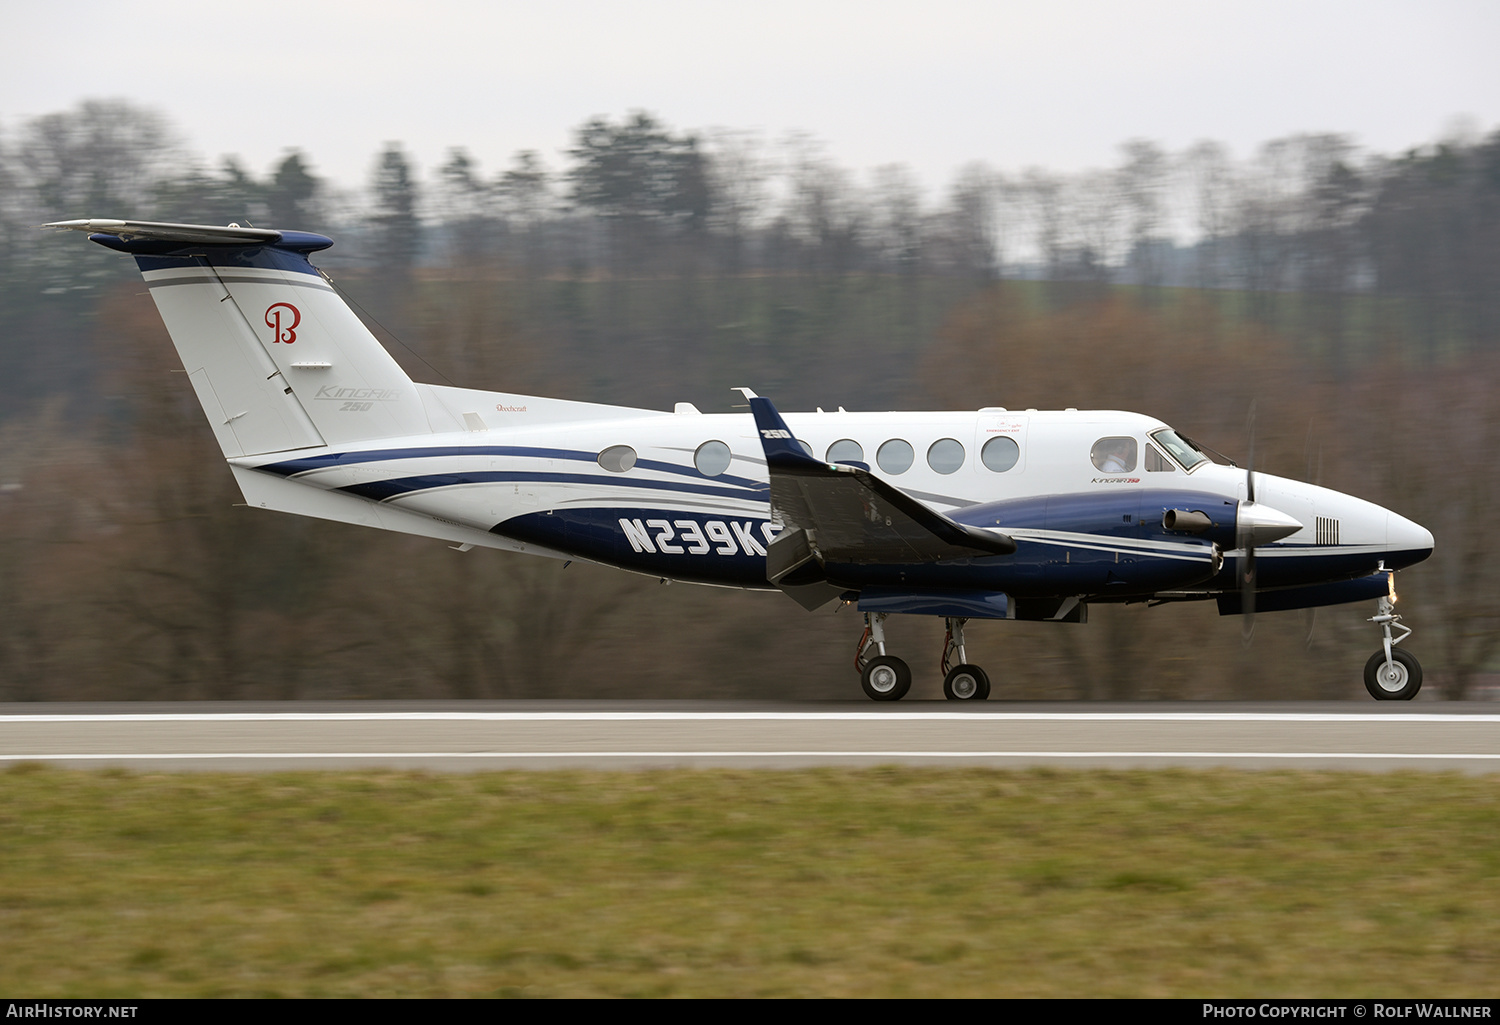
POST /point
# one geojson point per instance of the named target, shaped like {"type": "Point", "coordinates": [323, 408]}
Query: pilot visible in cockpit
{"type": "Point", "coordinates": [1114, 455]}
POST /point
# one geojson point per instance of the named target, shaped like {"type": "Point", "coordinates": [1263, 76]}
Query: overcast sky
{"type": "Point", "coordinates": [932, 84]}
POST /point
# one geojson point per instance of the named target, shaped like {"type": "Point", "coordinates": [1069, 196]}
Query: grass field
{"type": "Point", "coordinates": [887, 882]}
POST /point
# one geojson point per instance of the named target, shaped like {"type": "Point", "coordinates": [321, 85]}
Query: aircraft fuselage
{"type": "Point", "coordinates": [692, 504]}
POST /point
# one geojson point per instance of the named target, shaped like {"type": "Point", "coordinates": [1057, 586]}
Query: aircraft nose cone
{"type": "Point", "coordinates": [1411, 540]}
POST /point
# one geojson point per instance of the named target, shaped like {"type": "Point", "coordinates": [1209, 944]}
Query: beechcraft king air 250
{"type": "Point", "coordinates": [994, 514]}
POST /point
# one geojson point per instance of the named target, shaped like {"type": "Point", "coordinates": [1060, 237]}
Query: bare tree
{"type": "Point", "coordinates": [1042, 198]}
{"type": "Point", "coordinates": [103, 155]}
{"type": "Point", "coordinates": [822, 214]}
{"type": "Point", "coordinates": [738, 169]}
{"type": "Point", "coordinates": [1095, 241]}
{"type": "Point", "coordinates": [1144, 184]}
{"type": "Point", "coordinates": [398, 241]}
{"type": "Point", "coordinates": [974, 222]}
{"type": "Point", "coordinates": [1212, 195]}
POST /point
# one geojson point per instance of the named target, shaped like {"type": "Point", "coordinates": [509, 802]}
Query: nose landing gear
{"type": "Point", "coordinates": [1392, 674]}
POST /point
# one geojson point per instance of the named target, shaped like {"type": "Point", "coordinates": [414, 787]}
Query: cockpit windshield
{"type": "Point", "coordinates": [1180, 448]}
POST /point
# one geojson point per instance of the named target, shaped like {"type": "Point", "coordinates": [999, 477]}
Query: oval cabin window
{"type": "Point", "coordinates": [1113, 455]}
{"type": "Point", "coordinates": [712, 458]}
{"type": "Point", "coordinates": [946, 455]}
{"type": "Point", "coordinates": [895, 456]}
{"type": "Point", "coordinates": [617, 458]}
{"type": "Point", "coordinates": [845, 451]}
{"type": "Point", "coordinates": [1000, 454]}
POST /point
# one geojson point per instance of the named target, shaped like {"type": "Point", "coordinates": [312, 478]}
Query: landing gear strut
{"type": "Point", "coordinates": [887, 678]}
{"type": "Point", "coordinates": [961, 682]}
{"type": "Point", "coordinates": [884, 677]}
{"type": "Point", "coordinates": [1392, 674]}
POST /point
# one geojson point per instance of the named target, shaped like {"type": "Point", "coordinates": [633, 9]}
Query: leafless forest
{"type": "Point", "coordinates": [1353, 298]}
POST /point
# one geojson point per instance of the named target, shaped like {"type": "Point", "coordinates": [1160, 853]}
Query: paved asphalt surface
{"type": "Point", "coordinates": [489, 735]}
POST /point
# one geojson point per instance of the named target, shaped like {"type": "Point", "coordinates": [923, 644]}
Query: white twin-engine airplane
{"type": "Point", "coordinates": [995, 514]}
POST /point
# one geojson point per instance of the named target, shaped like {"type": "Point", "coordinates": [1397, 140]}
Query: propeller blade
{"type": "Point", "coordinates": [1257, 525]}
{"type": "Point", "coordinates": [1247, 596]}
{"type": "Point", "coordinates": [1314, 466]}
{"type": "Point", "coordinates": [1250, 462]}
{"type": "Point", "coordinates": [1247, 571]}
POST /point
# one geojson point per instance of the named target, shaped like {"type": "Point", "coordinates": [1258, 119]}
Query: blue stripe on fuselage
{"type": "Point", "coordinates": [394, 487]}
{"type": "Point", "coordinates": [292, 467]}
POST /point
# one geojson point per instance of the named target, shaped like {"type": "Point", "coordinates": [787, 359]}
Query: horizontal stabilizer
{"type": "Point", "coordinates": [204, 234]}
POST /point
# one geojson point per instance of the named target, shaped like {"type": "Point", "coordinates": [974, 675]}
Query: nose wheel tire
{"type": "Point", "coordinates": [1399, 681]}
{"type": "Point", "coordinates": [886, 678]}
{"type": "Point", "coordinates": [966, 683]}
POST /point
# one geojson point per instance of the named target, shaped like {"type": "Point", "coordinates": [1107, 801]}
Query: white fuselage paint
{"type": "Point", "coordinates": [544, 452]}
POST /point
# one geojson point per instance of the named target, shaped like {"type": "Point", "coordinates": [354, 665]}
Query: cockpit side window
{"type": "Point", "coordinates": [1156, 462]}
{"type": "Point", "coordinates": [1114, 455]}
{"type": "Point", "coordinates": [1179, 448]}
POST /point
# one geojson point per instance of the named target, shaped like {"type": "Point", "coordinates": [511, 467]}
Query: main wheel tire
{"type": "Point", "coordinates": [966, 683]}
{"type": "Point", "coordinates": [1398, 683]}
{"type": "Point", "coordinates": [886, 678]}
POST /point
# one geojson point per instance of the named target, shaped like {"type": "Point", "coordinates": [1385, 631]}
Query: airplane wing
{"type": "Point", "coordinates": [831, 512]}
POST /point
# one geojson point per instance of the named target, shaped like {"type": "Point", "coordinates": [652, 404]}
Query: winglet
{"type": "Point", "coordinates": [782, 449]}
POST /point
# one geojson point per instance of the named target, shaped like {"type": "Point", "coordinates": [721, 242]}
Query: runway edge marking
{"type": "Point", "coordinates": [964, 716]}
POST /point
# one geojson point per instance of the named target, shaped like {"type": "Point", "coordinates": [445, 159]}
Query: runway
{"type": "Point", "coordinates": [488, 735]}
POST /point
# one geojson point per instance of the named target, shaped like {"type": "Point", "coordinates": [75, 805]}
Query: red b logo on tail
{"type": "Point", "coordinates": [287, 334]}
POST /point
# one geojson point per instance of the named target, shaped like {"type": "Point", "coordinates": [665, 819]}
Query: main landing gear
{"type": "Point", "coordinates": [884, 677]}
{"type": "Point", "coordinates": [1392, 674]}
{"type": "Point", "coordinates": [961, 682]}
{"type": "Point", "coordinates": [887, 678]}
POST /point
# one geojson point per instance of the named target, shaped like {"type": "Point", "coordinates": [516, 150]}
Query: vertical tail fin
{"type": "Point", "coordinates": [277, 359]}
